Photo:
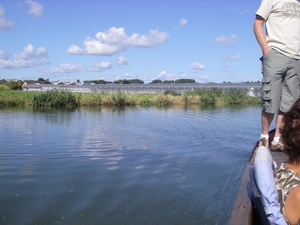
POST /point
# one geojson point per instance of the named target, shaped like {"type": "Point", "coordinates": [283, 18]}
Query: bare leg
{"type": "Point", "coordinates": [266, 120]}
{"type": "Point", "coordinates": [279, 123]}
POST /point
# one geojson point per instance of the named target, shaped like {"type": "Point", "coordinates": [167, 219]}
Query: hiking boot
{"type": "Point", "coordinates": [263, 142]}
{"type": "Point", "coordinates": [278, 146]}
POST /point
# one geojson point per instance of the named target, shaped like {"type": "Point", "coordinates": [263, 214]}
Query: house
{"type": "Point", "coordinates": [69, 83]}
{"type": "Point", "coordinates": [73, 83]}
{"type": "Point", "coordinates": [33, 82]}
{"type": "Point", "coordinates": [57, 82]}
{"type": "Point", "coordinates": [66, 83]}
{"type": "Point", "coordinates": [5, 81]}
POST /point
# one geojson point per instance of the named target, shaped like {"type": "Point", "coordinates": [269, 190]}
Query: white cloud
{"type": "Point", "coordinates": [182, 75]}
{"type": "Point", "coordinates": [30, 52]}
{"type": "Point", "coordinates": [35, 8]}
{"type": "Point", "coordinates": [100, 66]}
{"type": "Point", "coordinates": [29, 57]}
{"type": "Point", "coordinates": [227, 40]}
{"type": "Point", "coordinates": [154, 37]}
{"type": "Point", "coordinates": [165, 76]}
{"type": "Point", "coordinates": [183, 22]}
{"type": "Point", "coordinates": [197, 66]}
{"type": "Point", "coordinates": [4, 23]}
{"type": "Point", "coordinates": [75, 50]}
{"type": "Point", "coordinates": [107, 43]}
{"type": "Point", "coordinates": [115, 40]}
{"type": "Point", "coordinates": [162, 74]}
{"type": "Point", "coordinates": [127, 74]}
{"type": "Point", "coordinates": [234, 57]}
{"type": "Point", "coordinates": [69, 68]}
{"type": "Point", "coordinates": [122, 60]}
{"type": "Point", "coordinates": [64, 68]}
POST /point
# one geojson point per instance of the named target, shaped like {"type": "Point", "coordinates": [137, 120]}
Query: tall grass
{"type": "Point", "coordinates": [15, 98]}
{"type": "Point", "coordinates": [235, 97]}
{"type": "Point", "coordinates": [164, 100]}
{"type": "Point", "coordinates": [209, 96]}
{"type": "Point", "coordinates": [171, 92]}
{"type": "Point", "coordinates": [118, 99]}
{"type": "Point", "coordinates": [55, 98]}
{"type": "Point", "coordinates": [58, 98]}
{"type": "Point", "coordinates": [89, 99]}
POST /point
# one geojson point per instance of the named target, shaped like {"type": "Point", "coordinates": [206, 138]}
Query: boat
{"type": "Point", "coordinates": [243, 211]}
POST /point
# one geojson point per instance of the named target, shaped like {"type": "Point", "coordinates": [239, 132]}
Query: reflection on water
{"type": "Point", "coordinates": [123, 165]}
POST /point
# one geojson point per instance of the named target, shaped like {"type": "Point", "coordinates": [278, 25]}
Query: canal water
{"type": "Point", "coordinates": [126, 166]}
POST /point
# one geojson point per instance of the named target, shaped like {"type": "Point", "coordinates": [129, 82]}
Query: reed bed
{"type": "Point", "coordinates": [15, 98]}
{"type": "Point", "coordinates": [55, 98]}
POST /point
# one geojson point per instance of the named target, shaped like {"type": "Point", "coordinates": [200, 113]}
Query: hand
{"type": "Point", "coordinates": [265, 51]}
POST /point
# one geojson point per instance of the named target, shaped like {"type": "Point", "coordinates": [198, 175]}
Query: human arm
{"type": "Point", "coordinates": [260, 34]}
{"type": "Point", "coordinates": [292, 206]}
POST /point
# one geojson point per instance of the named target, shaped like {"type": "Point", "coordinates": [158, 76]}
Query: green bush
{"type": "Point", "coordinates": [4, 87]}
{"type": "Point", "coordinates": [119, 99]}
{"type": "Point", "coordinates": [145, 103]}
{"type": "Point", "coordinates": [94, 99]}
{"type": "Point", "coordinates": [171, 92]}
{"type": "Point", "coordinates": [235, 97]}
{"type": "Point", "coordinates": [208, 97]}
{"type": "Point", "coordinates": [163, 101]}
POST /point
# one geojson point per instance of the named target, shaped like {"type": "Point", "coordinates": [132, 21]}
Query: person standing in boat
{"type": "Point", "coordinates": [280, 47]}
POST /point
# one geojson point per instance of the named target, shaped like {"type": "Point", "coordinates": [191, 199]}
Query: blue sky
{"type": "Point", "coordinates": [209, 41]}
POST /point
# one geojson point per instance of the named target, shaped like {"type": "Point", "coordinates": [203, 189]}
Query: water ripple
{"type": "Point", "coordinates": [130, 166]}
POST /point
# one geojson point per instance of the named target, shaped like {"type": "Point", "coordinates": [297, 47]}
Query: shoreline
{"type": "Point", "coordinates": [65, 98]}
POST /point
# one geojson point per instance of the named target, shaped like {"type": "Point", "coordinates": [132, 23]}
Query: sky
{"type": "Point", "coordinates": [67, 40]}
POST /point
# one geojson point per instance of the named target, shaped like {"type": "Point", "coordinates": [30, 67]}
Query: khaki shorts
{"type": "Point", "coordinates": [280, 83]}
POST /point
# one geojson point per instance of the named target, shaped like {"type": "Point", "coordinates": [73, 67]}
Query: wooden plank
{"type": "Point", "coordinates": [279, 157]}
{"type": "Point", "coordinates": [242, 209]}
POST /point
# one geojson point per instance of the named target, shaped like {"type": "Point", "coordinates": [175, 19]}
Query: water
{"type": "Point", "coordinates": [123, 166]}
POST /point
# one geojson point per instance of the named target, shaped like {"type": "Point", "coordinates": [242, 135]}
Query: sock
{"type": "Point", "coordinates": [266, 136]}
{"type": "Point", "coordinates": [275, 140]}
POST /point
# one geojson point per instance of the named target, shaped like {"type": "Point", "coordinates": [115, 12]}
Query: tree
{"type": "Point", "coordinates": [168, 81]}
{"type": "Point", "coordinates": [118, 81]}
{"type": "Point", "coordinates": [101, 82]}
{"type": "Point", "coordinates": [136, 81]}
{"type": "Point", "coordinates": [156, 81]}
{"type": "Point", "coordinates": [185, 81]}
{"type": "Point", "coordinates": [46, 81]}
{"type": "Point", "coordinates": [124, 81]}
{"type": "Point", "coordinates": [12, 85]}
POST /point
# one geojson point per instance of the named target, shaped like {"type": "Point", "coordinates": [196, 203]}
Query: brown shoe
{"type": "Point", "coordinates": [263, 142]}
{"type": "Point", "coordinates": [278, 146]}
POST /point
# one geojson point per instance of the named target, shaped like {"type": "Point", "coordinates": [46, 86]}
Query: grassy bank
{"type": "Point", "coordinates": [68, 99]}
